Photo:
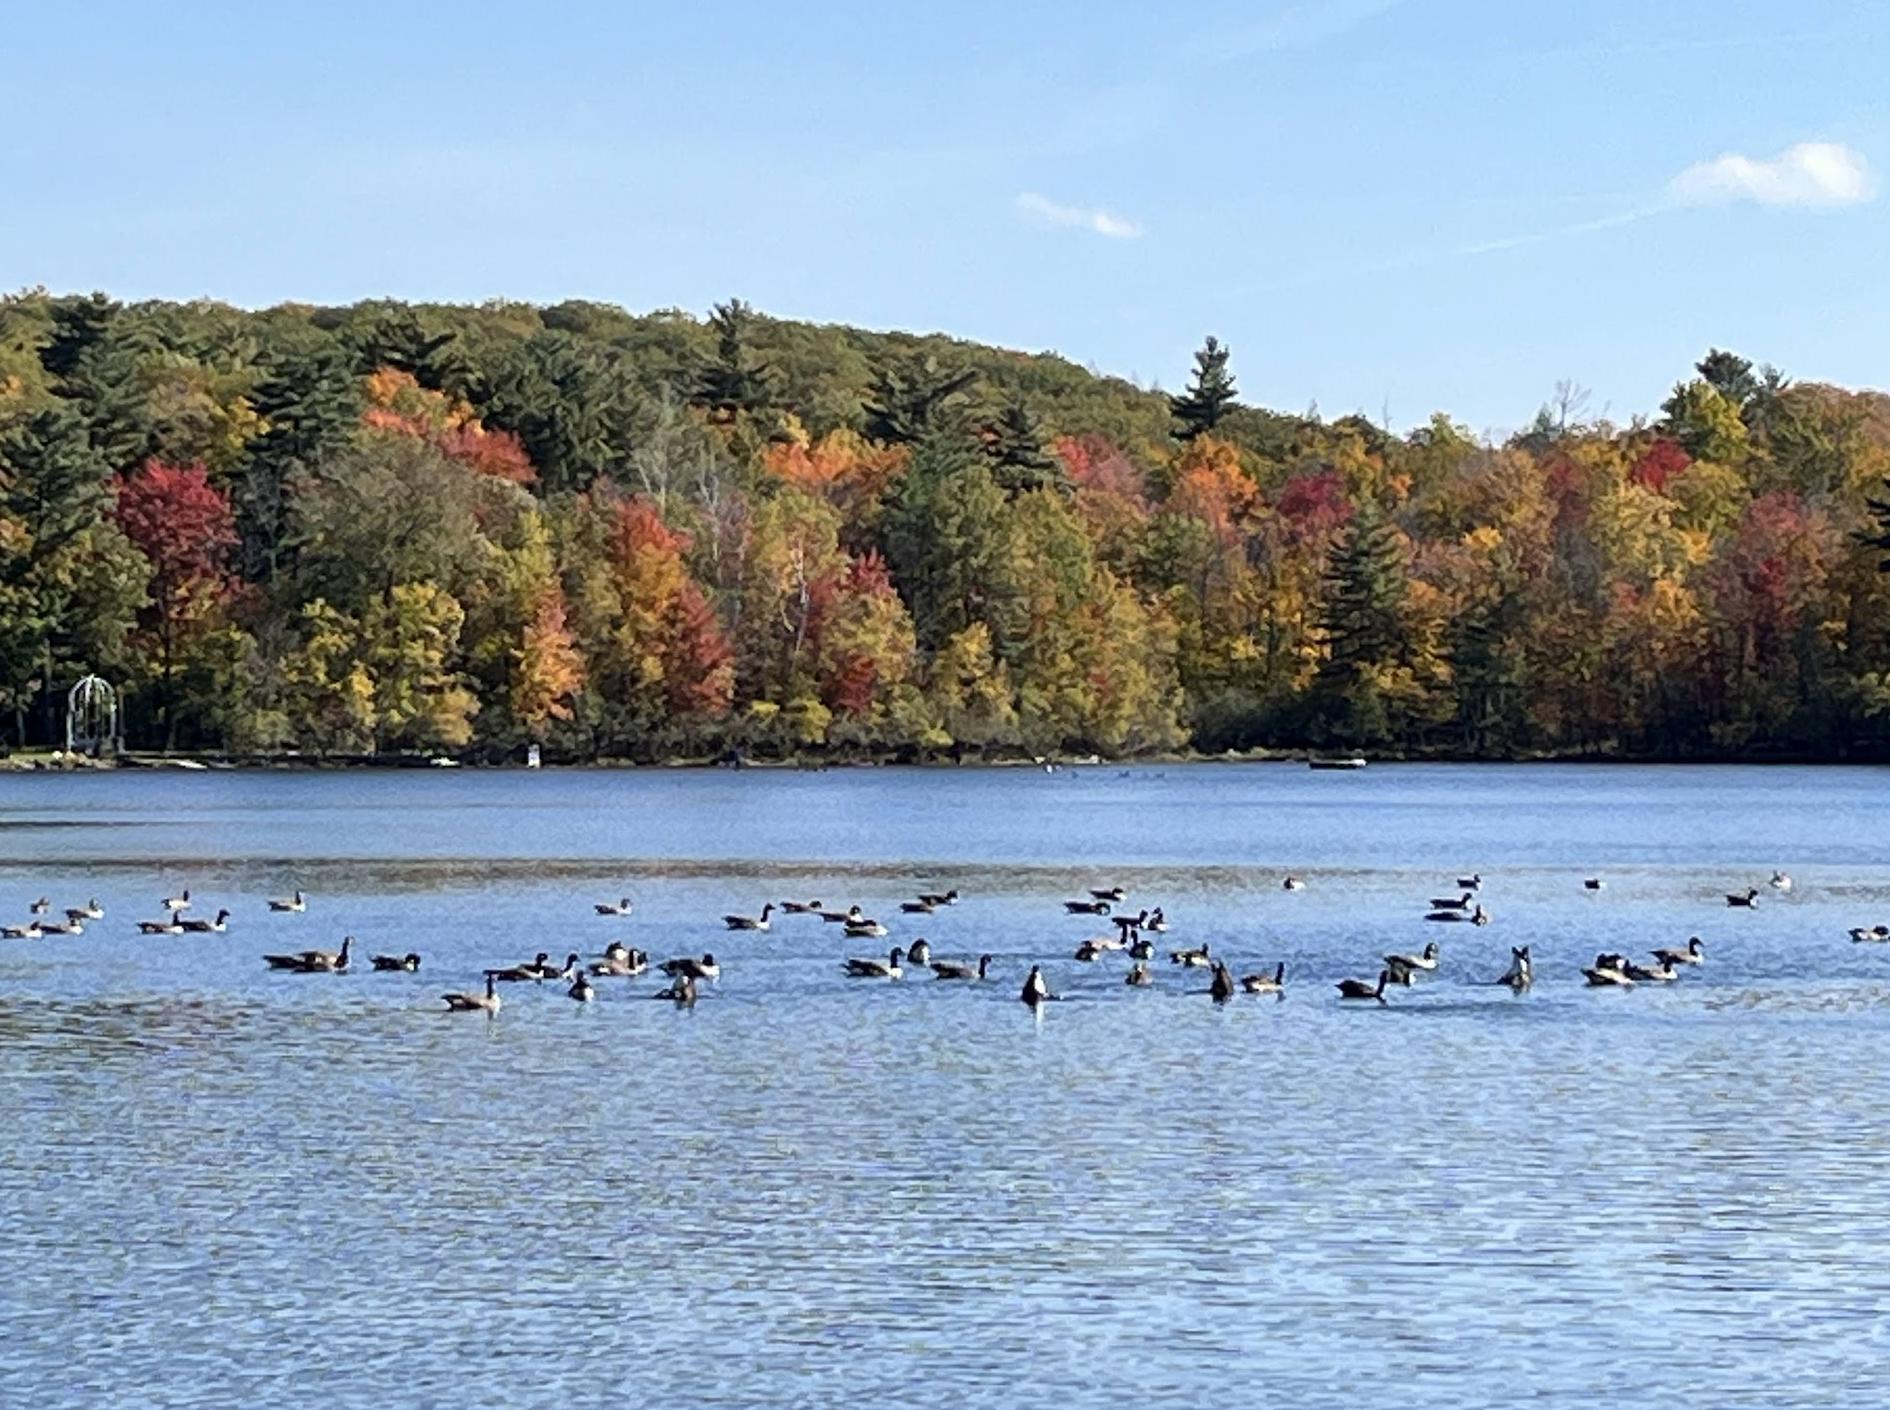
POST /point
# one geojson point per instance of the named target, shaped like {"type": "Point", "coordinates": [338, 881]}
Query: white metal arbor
{"type": "Point", "coordinates": [92, 717]}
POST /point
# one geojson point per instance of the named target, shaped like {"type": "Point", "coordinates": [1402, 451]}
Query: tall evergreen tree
{"type": "Point", "coordinates": [310, 403]}
{"type": "Point", "coordinates": [1020, 461]}
{"type": "Point", "coordinates": [1210, 393]}
{"type": "Point", "coordinates": [732, 382]}
{"type": "Point", "coordinates": [1362, 624]}
{"type": "Point", "coordinates": [913, 397]}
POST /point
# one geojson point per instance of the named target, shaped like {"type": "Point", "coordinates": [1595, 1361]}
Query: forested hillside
{"type": "Point", "coordinates": [394, 528]}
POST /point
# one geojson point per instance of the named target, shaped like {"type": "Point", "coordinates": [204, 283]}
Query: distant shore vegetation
{"type": "Point", "coordinates": [398, 528]}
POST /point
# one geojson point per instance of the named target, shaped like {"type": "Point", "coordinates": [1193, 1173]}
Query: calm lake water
{"type": "Point", "coordinates": [221, 1185]}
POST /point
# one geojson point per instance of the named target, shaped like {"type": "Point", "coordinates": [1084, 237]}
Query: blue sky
{"type": "Point", "coordinates": [1401, 205]}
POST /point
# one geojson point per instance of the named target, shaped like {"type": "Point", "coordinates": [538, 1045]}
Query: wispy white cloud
{"type": "Point", "coordinates": [1809, 174]}
{"type": "Point", "coordinates": [1094, 219]}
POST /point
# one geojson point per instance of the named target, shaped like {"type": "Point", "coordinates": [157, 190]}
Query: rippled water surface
{"type": "Point", "coordinates": [222, 1185]}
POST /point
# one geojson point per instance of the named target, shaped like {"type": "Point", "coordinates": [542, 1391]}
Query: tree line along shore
{"type": "Point", "coordinates": [403, 530]}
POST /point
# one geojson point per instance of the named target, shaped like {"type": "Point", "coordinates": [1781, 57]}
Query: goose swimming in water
{"type": "Point", "coordinates": [1608, 971]}
{"type": "Point", "coordinates": [1126, 926]}
{"type": "Point", "coordinates": [1359, 989]}
{"type": "Point", "coordinates": [173, 926]}
{"type": "Point", "coordinates": [1521, 972]}
{"type": "Point", "coordinates": [939, 898]}
{"type": "Point", "coordinates": [917, 908]}
{"type": "Point", "coordinates": [489, 1002]}
{"type": "Point", "coordinates": [1157, 922]}
{"type": "Point", "coordinates": [1402, 967]}
{"type": "Point", "coordinates": [1192, 959]}
{"type": "Point", "coordinates": [864, 929]}
{"type": "Point", "coordinates": [1035, 992]}
{"type": "Point", "coordinates": [1453, 903]}
{"type": "Point", "coordinates": [1473, 882]}
{"type": "Point", "coordinates": [314, 961]}
{"type": "Point", "coordinates": [582, 990]}
{"type": "Point", "coordinates": [888, 968]}
{"type": "Point", "coordinates": [1642, 974]}
{"type": "Point", "coordinates": [1876, 934]}
{"type": "Point", "coordinates": [91, 910]}
{"type": "Point", "coordinates": [1087, 908]}
{"type": "Point", "coordinates": [687, 968]}
{"type": "Point", "coordinates": [759, 922]}
{"type": "Point", "coordinates": [1594, 883]}
{"type": "Point", "coordinates": [41, 906]}
{"type": "Point", "coordinates": [177, 903]}
{"type": "Point", "coordinates": [293, 905]}
{"type": "Point", "coordinates": [1780, 881]}
{"type": "Point", "coordinates": [799, 908]}
{"type": "Point", "coordinates": [1274, 983]}
{"type": "Point", "coordinates": [30, 931]}
{"type": "Point", "coordinates": [1746, 900]}
{"type": "Point", "coordinates": [1142, 950]}
{"type": "Point", "coordinates": [1476, 915]}
{"type": "Point", "coordinates": [1292, 883]}
{"type": "Point", "coordinates": [620, 907]}
{"type": "Point", "coordinates": [537, 968]}
{"type": "Point", "coordinates": [953, 969]}
{"type": "Point", "coordinates": [1139, 977]}
{"type": "Point", "coordinates": [849, 916]}
{"type": "Point", "coordinates": [1087, 951]}
{"type": "Point", "coordinates": [66, 927]}
{"type": "Point", "coordinates": [620, 962]}
{"type": "Point", "coordinates": [1222, 988]}
{"type": "Point", "coordinates": [919, 953]}
{"type": "Point", "coordinates": [410, 963]}
{"type": "Point", "coordinates": [1114, 894]}
{"type": "Point", "coordinates": [200, 926]}
{"type": "Point", "coordinates": [681, 991]}
{"type": "Point", "coordinates": [1694, 953]}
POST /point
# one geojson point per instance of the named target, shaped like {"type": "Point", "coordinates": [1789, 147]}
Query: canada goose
{"type": "Point", "coordinates": [1608, 972]}
{"type": "Point", "coordinates": [799, 908]}
{"type": "Point", "coordinates": [1222, 989]}
{"type": "Point", "coordinates": [1087, 908]}
{"type": "Point", "coordinates": [1476, 915]}
{"type": "Point", "coordinates": [1521, 972]}
{"type": "Point", "coordinates": [1035, 992]}
{"type": "Point", "coordinates": [294, 905]}
{"type": "Point", "coordinates": [161, 927]}
{"type": "Point", "coordinates": [759, 922]}
{"type": "Point", "coordinates": [314, 961]}
{"type": "Point", "coordinates": [952, 969]}
{"type": "Point", "coordinates": [1114, 894]}
{"type": "Point", "coordinates": [41, 906]}
{"type": "Point", "coordinates": [917, 908]}
{"type": "Point", "coordinates": [619, 907]}
{"type": "Point", "coordinates": [1192, 959]}
{"type": "Point", "coordinates": [919, 953]}
{"type": "Point", "coordinates": [1292, 883]}
{"type": "Point", "coordinates": [1139, 977]}
{"type": "Point", "coordinates": [61, 927]}
{"type": "Point", "coordinates": [1780, 881]}
{"type": "Point", "coordinates": [1359, 989]}
{"type": "Point", "coordinates": [681, 991]}
{"type": "Point", "coordinates": [538, 968]}
{"type": "Point", "coordinates": [1452, 903]}
{"type": "Point", "coordinates": [1088, 951]}
{"type": "Point", "coordinates": [621, 963]}
{"type": "Point", "coordinates": [1472, 882]}
{"type": "Point", "coordinates": [1695, 953]}
{"type": "Point", "coordinates": [887, 968]}
{"type": "Point", "coordinates": [200, 926]}
{"type": "Point", "coordinates": [582, 990]}
{"type": "Point", "coordinates": [864, 929]}
{"type": "Point", "coordinates": [1747, 900]}
{"type": "Point", "coordinates": [1594, 883]}
{"type": "Point", "coordinates": [1876, 933]}
{"type": "Point", "coordinates": [1142, 950]}
{"type": "Point", "coordinates": [177, 903]}
{"type": "Point", "coordinates": [30, 931]}
{"type": "Point", "coordinates": [688, 968]}
{"type": "Point", "coordinates": [846, 917]}
{"type": "Point", "coordinates": [1642, 974]}
{"type": "Point", "coordinates": [1157, 922]}
{"type": "Point", "coordinates": [410, 962]}
{"type": "Point", "coordinates": [489, 1002]}
{"type": "Point", "coordinates": [939, 898]}
{"type": "Point", "coordinates": [1479, 916]}
{"type": "Point", "coordinates": [1274, 983]}
{"type": "Point", "coordinates": [568, 970]}
{"type": "Point", "coordinates": [1127, 925]}
{"type": "Point", "coordinates": [1402, 967]}
{"type": "Point", "coordinates": [91, 910]}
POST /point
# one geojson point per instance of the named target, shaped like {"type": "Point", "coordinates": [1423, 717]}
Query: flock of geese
{"type": "Point", "coordinates": [1134, 938]}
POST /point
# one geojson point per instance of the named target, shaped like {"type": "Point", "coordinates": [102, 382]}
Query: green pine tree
{"type": "Point", "coordinates": [731, 382]}
{"type": "Point", "coordinates": [1210, 393]}
{"type": "Point", "coordinates": [1362, 625]}
{"type": "Point", "coordinates": [1020, 462]}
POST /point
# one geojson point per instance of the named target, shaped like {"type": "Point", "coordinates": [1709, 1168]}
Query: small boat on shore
{"type": "Point", "coordinates": [1353, 761]}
